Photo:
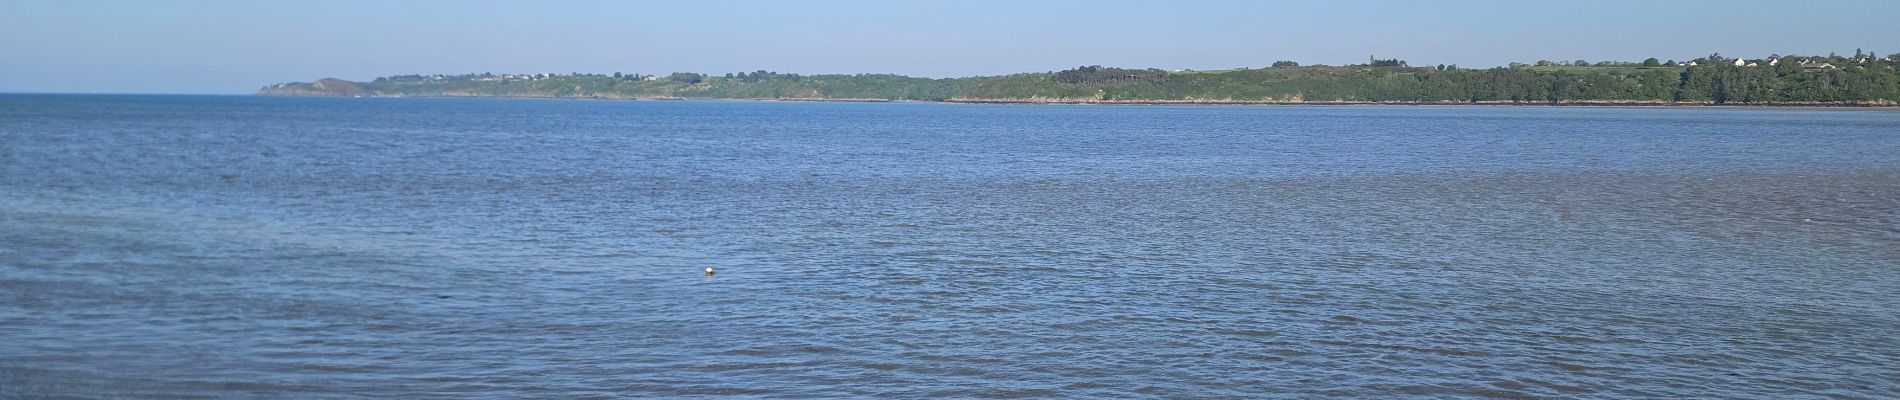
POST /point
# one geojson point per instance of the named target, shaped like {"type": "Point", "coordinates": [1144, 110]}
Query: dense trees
{"type": "Point", "coordinates": [760, 75]}
{"type": "Point", "coordinates": [1393, 62]}
{"type": "Point", "coordinates": [1716, 80]}
{"type": "Point", "coordinates": [685, 77]}
{"type": "Point", "coordinates": [1100, 74]}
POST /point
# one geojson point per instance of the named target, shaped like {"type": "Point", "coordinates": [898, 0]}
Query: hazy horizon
{"type": "Point", "coordinates": [230, 47]}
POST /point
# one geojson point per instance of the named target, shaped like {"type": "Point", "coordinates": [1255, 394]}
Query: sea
{"type": "Point", "coordinates": [251, 247]}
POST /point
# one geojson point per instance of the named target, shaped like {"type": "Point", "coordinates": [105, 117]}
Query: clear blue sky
{"type": "Point", "coordinates": [238, 46]}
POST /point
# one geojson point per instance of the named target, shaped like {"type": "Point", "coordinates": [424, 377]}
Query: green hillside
{"type": "Point", "coordinates": [1832, 80]}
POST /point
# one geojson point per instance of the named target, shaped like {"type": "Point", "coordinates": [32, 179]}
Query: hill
{"type": "Point", "coordinates": [322, 87]}
{"type": "Point", "coordinates": [1830, 80]}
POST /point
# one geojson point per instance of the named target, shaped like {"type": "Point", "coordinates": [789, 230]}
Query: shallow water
{"type": "Point", "coordinates": [246, 247]}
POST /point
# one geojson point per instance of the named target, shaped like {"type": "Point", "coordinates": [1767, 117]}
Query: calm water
{"type": "Point", "coordinates": [244, 247]}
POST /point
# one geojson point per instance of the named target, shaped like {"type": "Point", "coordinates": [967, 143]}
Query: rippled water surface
{"type": "Point", "coordinates": [242, 247]}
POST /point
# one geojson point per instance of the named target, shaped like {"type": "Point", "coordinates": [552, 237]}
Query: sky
{"type": "Point", "coordinates": [234, 47]}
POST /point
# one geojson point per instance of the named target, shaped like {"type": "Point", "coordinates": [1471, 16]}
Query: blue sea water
{"type": "Point", "coordinates": [260, 247]}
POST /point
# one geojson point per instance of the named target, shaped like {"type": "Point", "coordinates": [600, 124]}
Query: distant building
{"type": "Point", "coordinates": [1815, 66]}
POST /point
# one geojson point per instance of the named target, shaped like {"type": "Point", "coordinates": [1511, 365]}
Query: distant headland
{"type": "Point", "coordinates": [1862, 79]}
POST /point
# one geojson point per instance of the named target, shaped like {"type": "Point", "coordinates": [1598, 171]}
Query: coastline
{"type": "Point", "coordinates": [1562, 103]}
{"type": "Point", "coordinates": [1191, 102]}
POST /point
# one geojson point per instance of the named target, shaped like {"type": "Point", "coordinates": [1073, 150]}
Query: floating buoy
{"type": "Point", "coordinates": [709, 271]}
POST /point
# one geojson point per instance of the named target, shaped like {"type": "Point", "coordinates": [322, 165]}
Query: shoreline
{"type": "Point", "coordinates": [1564, 103]}
{"type": "Point", "coordinates": [1061, 101]}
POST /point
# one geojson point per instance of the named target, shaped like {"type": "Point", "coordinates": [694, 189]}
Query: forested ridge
{"type": "Point", "coordinates": [1860, 79]}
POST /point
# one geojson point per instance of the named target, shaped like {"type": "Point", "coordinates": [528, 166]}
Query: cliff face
{"type": "Point", "coordinates": [322, 87]}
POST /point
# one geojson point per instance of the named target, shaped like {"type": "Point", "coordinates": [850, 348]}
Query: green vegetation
{"type": "Point", "coordinates": [1862, 79]}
